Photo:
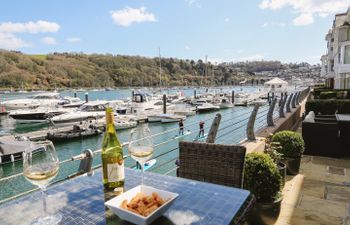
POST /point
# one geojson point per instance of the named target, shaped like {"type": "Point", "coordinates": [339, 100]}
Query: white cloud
{"type": "Point", "coordinates": [9, 42]}
{"type": "Point", "coordinates": [39, 26]}
{"type": "Point", "coordinates": [273, 24]}
{"type": "Point", "coordinates": [8, 39]}
{"type": "Point", "coordinates": [307, 9]}
{"type": "Point", "coordinates": [193, 3]}
{"type": "Point", "coordinates": [304, 19]}
{"type": "Point", "coordinates": [49, 40]}
{"type": "Point", "coordinates": [255, 57]}
{"type": "Point", "coordinates": [227, 20]}
{"type": "Point", "coordinates": [73, 39]}
{"type": "Point", "coordinates": [127, 16]}
{"type": "Point", "coordinates": [187, 47]}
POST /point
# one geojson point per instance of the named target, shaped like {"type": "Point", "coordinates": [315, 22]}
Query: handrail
{"type": "Point", "coordinates": [124, 144]}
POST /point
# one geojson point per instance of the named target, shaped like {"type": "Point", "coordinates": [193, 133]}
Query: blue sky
{"type": "Point", "coordinates": [235, 30]}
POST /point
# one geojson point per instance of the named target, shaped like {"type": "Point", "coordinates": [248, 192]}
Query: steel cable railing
{"type": "Point", "coordinates": [81, 156]}
{"type": "Point", "coordinates": [259, 121]}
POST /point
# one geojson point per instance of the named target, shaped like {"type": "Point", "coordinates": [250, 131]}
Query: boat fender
{"type": "Point", "coordinates": [12, 158]}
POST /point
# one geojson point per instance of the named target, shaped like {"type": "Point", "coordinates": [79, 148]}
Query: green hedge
{"type": "Point", "coordinates": [323, 93]}
{"type": "Point", "coordinates": [328, 107]}
{"type": "Point", "coordinates": [328, 94]}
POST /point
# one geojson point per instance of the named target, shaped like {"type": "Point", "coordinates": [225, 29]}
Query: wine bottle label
{"type": "Point", "coordinates": [115, 172]}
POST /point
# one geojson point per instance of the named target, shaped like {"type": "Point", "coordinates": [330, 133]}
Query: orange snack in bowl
{"type": "Point", "coordinates": [143, 204]}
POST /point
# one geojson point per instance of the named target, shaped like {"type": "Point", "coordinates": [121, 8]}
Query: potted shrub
{"type": "Point", "coordinates": [273, 150]}
{"type": "Point", "coordinates": [292, 148]}
{"type": "Point", "coordinates": [262, 178]}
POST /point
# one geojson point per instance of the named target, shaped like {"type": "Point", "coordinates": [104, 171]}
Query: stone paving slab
{"type": "Point", "coordinates": [318, 195]}
{"type": "Point", "coordinates": [339, 193]}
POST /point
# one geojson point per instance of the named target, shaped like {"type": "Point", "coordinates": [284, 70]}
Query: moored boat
{"type": "Point", "coordinates": [77, 132]}
{"type": "Point", "coordinates": [12, 150]}
{"type": "Point", "coordinates": [165, 118]}
{"type": "Point", "coordinates": [172, 118]}
{"type": "Point", "coordinates": [207, 107]}
{"type": "Point", "coordinates": [38, 115]}
{"type": "Point", "coordinates": [43, 99]}
{"type": "Point", "coordinates": [124, 124]}
{"type": "Point", "coordinates": [90, 109]}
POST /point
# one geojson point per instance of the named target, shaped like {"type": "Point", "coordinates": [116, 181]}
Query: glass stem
{"type": "Point", "coordinates": [44, 200]}
{"type": "Point", "coordinates": [142, 166]}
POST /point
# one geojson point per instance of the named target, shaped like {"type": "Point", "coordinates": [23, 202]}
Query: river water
{"type": "Point", "coordinates": [231, 131]}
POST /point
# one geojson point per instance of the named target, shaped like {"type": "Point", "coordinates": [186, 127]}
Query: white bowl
{"type": "Point", "coordinates": [114, 204]}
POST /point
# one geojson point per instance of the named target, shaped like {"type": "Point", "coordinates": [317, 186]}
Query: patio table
{"type": "Point", "coordinates": [81, 201]}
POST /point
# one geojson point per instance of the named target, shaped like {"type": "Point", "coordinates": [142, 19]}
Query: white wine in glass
{"type": "Point", "coordinates": [141, 145]}
{"type": "Point", "coordinates": [40, 167]}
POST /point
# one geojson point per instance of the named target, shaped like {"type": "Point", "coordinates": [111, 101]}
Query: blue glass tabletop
{"type": "Point", "coordinates": [81, 201]}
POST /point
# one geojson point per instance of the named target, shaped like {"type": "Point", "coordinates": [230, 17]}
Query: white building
{"type": "Point", "coordinates": [336, 63]}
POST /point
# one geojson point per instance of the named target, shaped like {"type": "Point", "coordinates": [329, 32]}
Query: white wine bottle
{"type": "Point", "coordinates": [112, 157]}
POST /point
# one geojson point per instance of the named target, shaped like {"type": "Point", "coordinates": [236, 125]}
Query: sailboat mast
{"type": "Point", "coordinates": [206, 69]}
{"type": "Point", "coordinates": [160, 69]}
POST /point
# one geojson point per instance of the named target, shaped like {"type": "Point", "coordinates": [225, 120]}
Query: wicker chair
{"type": "Point", "coordinates": [322, 139]}
{"type": "Point", "coordinates": [213, 163]}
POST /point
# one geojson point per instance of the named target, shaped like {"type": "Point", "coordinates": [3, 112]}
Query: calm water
{"type": "Point", "coordinates": [231, 131]}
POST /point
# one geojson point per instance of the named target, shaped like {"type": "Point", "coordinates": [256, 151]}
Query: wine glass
{"type": "Point", "coordinates": [40, 166]}
{"type": "Point", "coordinates": [141, 145]}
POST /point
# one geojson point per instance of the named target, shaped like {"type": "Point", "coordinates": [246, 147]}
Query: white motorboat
{"type": "Point", "coordinates": [124, 124]}
{"type": "Point", "coordinates": [38, 115]}
{"type": "Point", "coordinates": [185, 112]}
{"type": "Point", "coordinates": [95, 109]}
{"type": "Point", "coordinates": [157, 117]}
{"type": "Point", "coordinates": [171, 118]}
{"type": "Point", "coordinates": [207, 107]}
{"type": "Point", "coordinates": [165, 118]}
{"type": "Point", "coordinates": [198, 101]}
{"type": "Point", "coordinates": [241, 99]}
{"type": "Point", "coordinates": [224, 103]}
{"type": "Point", "coordinates": [259, 102]}
{"type": "Point", "coordinates": [141, 103]}
{"type": "Point", "coordinates": [43, 99]}
{"type": "Point", "coordinates": [72, 102]}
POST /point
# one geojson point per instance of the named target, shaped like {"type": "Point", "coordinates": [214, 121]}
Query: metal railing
{"type": "Point", "coordinates": [229, 128]}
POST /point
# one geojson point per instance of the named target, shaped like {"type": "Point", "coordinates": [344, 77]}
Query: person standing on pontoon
{"type": "Point", "coordinates": [201, 129]}
{"type": "Point", "coordinates": [181, 127]}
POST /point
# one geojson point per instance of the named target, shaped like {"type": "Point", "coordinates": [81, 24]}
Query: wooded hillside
{"type": "Point", "coordinates": [74, 70]}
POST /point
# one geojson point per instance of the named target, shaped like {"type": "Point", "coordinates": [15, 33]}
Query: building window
{"type": "Point", "coordinates": [332, 40]}
{"type": "Point", "coordinates": [331, 48]}
{"type": "Point", "coordinates": [347, 54]}
{"type": "Point", "coordinates": [332, 65]}
{"type": "Point", "coordinates": [347, 81]}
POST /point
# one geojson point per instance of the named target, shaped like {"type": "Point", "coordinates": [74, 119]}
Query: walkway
{"type": "Point", "coordinates": [319, 195]}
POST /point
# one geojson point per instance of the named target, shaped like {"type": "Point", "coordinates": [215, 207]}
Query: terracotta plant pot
{"type": "Point", "coordinates": [264, 213]}
{"type": "Point", "coordinates": [293, 165]}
